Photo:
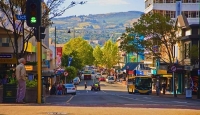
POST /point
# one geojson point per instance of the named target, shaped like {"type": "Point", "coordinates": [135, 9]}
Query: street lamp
{"type": "Point", "coordinates": [73, 32]}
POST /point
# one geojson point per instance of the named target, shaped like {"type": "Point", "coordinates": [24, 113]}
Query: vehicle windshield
{"type": "Point", "coordinates": [143, 82]}
{"type": "Point", "coordinates": [110, 78]}
{"type": "Point", "coordinates": [87, 72]}
{"type": "Point", "coordinates": [69, 85]}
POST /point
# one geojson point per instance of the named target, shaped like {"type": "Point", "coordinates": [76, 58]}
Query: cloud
{"type": "Point", "coordinates": [108, 2]}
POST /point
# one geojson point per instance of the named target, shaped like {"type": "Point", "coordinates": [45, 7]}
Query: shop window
{"type": "Point", "coordinates": [186, 13]}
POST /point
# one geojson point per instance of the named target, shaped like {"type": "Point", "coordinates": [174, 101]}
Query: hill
{"type": "Point", "coordinates": [99, 27]}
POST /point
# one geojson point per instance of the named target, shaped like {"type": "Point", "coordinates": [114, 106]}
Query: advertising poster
{"type": "Point", "coordinates": [58, 56]}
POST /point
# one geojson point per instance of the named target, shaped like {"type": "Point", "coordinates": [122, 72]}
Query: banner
{"type": "Point", "coordinates": [178, 7]}
{"type": "Point", "coordinates": [58, 56]}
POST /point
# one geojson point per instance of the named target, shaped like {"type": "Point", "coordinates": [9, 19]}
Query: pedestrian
{"type": "Point", "coordinates": [21, 80]}
{"type": "Point", "coordinates": [5, 80]}
{"type": "Point", "coordinates": [85, 85]}
{"type": "Point", "coordinates": [157, 88]}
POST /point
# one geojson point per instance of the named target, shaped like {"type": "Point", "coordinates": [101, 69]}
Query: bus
{"type": "Point", "coordinates": [139, 84]}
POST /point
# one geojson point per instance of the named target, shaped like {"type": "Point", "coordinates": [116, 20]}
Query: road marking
{"type": "Point", "coordinates": [70, 99]}
{"type": "Point", "coordinates": [179, 102]}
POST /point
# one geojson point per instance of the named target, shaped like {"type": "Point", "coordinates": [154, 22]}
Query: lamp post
{"type": "Point", "coordinates": [73, 32]}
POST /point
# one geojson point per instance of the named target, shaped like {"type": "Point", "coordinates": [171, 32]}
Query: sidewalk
{"type": "Point", "coordinates": [179, 96]}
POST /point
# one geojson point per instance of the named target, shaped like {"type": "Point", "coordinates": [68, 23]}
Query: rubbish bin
{"type": "Point", "coordinates": [9, 93]}
{"type": "Point", "coordinates": [188, 93]}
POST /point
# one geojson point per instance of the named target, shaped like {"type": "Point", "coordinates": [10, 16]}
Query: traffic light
{"type": "Point", "coordinates": [33, 13]}
{"type": "Point", "coordinates": [42, 34]}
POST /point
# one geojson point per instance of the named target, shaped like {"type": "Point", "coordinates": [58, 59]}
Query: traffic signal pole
{"type": "Point", "coordinates": [39, 67]}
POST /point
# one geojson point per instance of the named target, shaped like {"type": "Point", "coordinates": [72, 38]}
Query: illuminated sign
{"type": "Point", "coordinates": [28, 67]}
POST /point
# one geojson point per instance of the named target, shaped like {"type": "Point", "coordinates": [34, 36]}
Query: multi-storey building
{"type": "Point", "coordinates": [190, 8]}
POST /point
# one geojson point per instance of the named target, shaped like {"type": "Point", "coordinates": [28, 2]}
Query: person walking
{"type": "Point", "coordinates": [21, 80]}
{"type": "Point", "coordinates": [85, 85]}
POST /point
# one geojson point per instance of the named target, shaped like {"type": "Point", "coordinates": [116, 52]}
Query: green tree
{"type": "Point", "coordinates": [17, 29]}
{"type": "Point", "coordinates": [72, 73]}
{"type": "Point", "coordinates": [80, 49]}
{"type": "Point", "coordinates": [158, 30]}
{"type": "Point", "coordinates": [98, 54]}
{"type": "Point", "coordinates": [76, 61]}
{"type": "Point", "coordinates": [110, 54]}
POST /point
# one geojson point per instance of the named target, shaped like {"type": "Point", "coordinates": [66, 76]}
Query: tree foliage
{"type": "Point", "coordinates": [72, 73]}
{"type": "Point", "coordinates": [75, 62]}
{"type": "Point", "coordinates": [98, 54]}
{"type": "Point", "coordinates": [107, 55]}
{"type": "Point", "coordinates": [158, 30]}
{"type": "Point", "coordinates": [79, 49]}
{"type": "Point", "coordinates": [17, 30]}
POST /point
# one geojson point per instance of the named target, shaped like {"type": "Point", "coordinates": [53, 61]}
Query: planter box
{"type": "Point", "coordinates": [31, 95]}
{"type": "Point", "coordinates": [1, 94]}
{"type": "Point", "coordinates": [9, 93]}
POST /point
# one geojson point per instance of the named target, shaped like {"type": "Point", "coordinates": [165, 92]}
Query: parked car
{"type": "Point", "coordinates": [110, 79]}
{"type": "Point", "coordinates": [76, 80]}
{"type": "Point", "coordinates": [96, 86]}
{"type": "Point", "coordinates": [70, 89]}
{"type": "Point", "coordinates": [104, 75]}
{"type": "Point", "coordinates": [98, 75]}
{"type": "Point", "coordinates": [102, 78]}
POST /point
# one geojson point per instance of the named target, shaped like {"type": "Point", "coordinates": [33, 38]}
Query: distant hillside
{"type": "Point", "coordinates": [94, 27]}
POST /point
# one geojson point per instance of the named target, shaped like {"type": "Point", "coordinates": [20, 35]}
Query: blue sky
{"type": "Point", "coordinates": [103, 6]}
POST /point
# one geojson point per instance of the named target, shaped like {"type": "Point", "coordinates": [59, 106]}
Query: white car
{"type": "Point", "coordinates": [110, 79]}
{"type": "Point", "coordinates": [105, 75]}
{"type": "Point", "coordinates": [70, 89]}
{"type": "Point", "coordinates": [98, 75]}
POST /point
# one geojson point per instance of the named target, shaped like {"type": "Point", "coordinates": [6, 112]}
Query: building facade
{"type": "Point", "coordinates": [190, 8]}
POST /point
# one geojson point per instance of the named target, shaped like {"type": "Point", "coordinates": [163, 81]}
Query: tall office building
{"type": "Point", "coordinates": [170, 8]}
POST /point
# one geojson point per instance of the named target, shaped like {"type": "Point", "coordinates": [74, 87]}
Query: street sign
{"type": "Point", "coordinates": [6, 56]}
{"type": "Point", "coordinates": [21, 17]}
{"type": "Point", "coordinates": [173, 68]}
{"type": "Point", "coordinates": [65, 74]}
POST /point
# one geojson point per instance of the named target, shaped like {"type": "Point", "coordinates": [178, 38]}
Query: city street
{"type": "Point", "coordinates": [111, 100]}
{"type": "Point", "coordinates": [116, 95]}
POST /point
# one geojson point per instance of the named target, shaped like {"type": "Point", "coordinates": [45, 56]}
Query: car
{"type": "Point", "coordinates": [104, 75]}
{"type": "Point", "coordinates": [70, 89]}
{"type": "Point", "coordinates": [76, 80]}
{"type": "Point", "coordinates": [96, 86]}
{"type": "Point", "coordinates": [110, 79]}
{"type": "Point", "coordinates": [102, 79]}
{"type": "Point", "coordinates": [98, 75]}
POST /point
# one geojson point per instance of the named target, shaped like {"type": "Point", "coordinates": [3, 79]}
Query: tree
{"type": "Point", "coordinates": [159, 33]}
{"type": "Point", "coordinates": [98, 54]}
{"type": "Point", "coordinates": [76, 61]}
{"type": "Point", "coordinates": [79, 49]}
{"type": "Point", "coordinates": [72, 73]}
{"type": "Point", "coordinates": [110, 54]}
{"type": "Point", "coordinates": [17, 29]}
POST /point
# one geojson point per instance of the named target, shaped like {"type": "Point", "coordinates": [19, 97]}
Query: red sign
{"type": "Point", "coordinates": [58, 55]}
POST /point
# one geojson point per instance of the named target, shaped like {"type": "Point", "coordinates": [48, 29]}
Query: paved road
{"type": "Point", "coordinates": [116, 95]}
{"type": "Point", "coordinates": [112, 100]}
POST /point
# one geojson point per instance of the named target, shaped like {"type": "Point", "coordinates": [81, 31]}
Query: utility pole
{"type": "Point", "coordinates": [55, 47]}
{"type": "Point", "coordinates": [198, 91]}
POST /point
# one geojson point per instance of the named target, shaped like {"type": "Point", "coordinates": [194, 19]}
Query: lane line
{"type": "Point", "coordinates": [70, 99]}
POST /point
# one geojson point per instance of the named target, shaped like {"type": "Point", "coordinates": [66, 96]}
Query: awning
{"type": "Point", "coordinates": [48, 73]}
{"type": "Point", "coordinates": [132, 65]}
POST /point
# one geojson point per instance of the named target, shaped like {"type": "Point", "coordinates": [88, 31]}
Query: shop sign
{"type": "Point", "coordinates": [29, 67]}
{"type": "Point", "coordinates": [8, 61]}
{"type": "Point", "coordinates": [6, 56]}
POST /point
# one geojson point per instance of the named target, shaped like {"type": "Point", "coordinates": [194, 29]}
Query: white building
{"type": "Point", "coordinates": [190, 8]}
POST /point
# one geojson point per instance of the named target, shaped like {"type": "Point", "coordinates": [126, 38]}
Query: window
{"type": "Point", "coordinates": [187, 51]}
{"type": "Point", "coordinates": [186, 13]}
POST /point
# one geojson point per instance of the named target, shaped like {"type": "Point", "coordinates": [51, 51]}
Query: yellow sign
{"type": "Point", "coordinates": [8, 61]}
{"type": "Point", "coordinates": [28, 67]}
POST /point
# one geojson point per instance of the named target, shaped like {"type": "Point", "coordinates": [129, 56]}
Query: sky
{"type": "Point", "coordinates": [103, 6]}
